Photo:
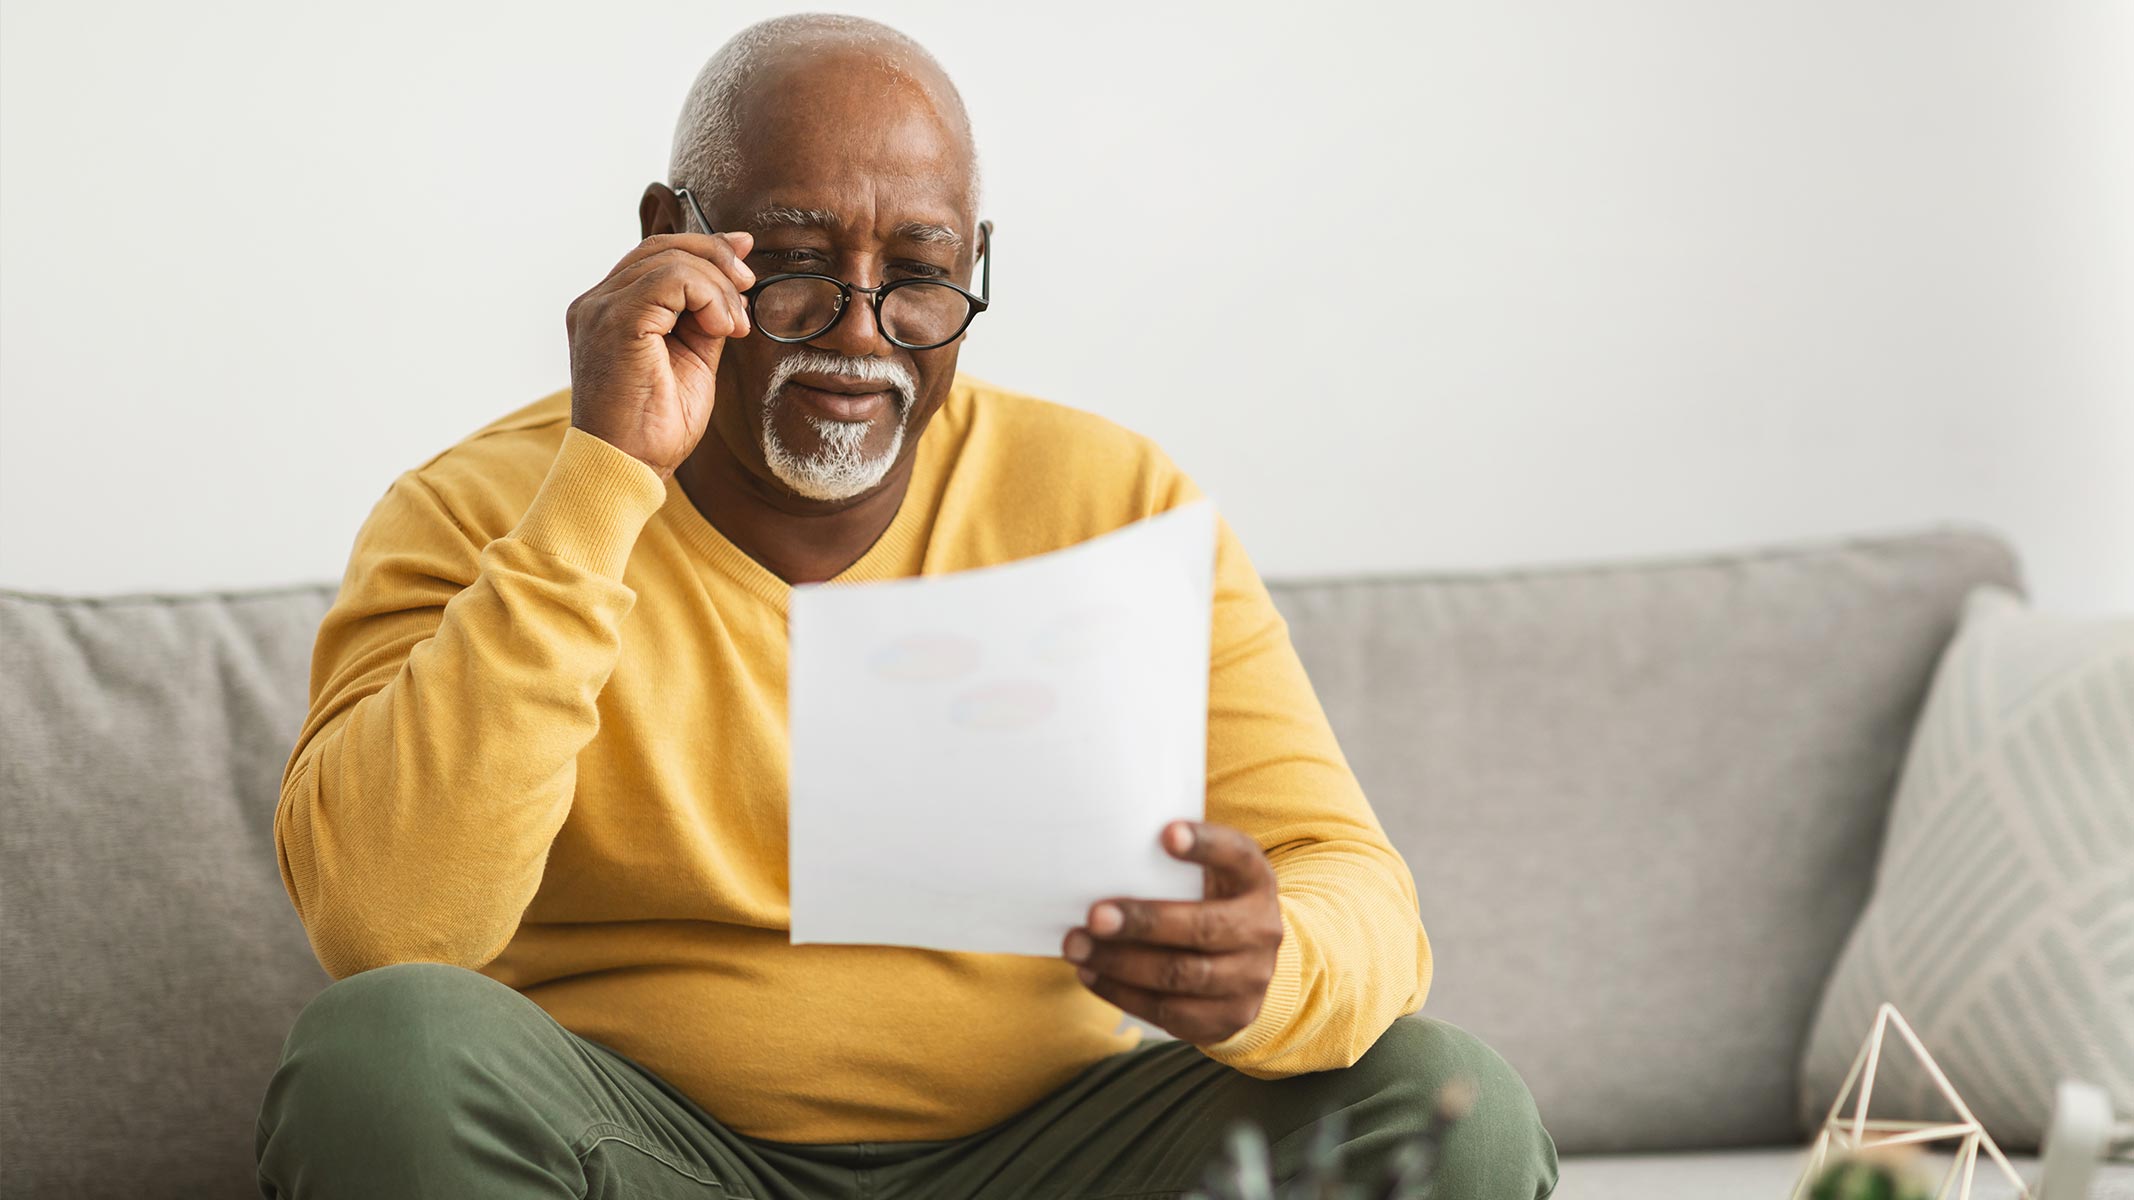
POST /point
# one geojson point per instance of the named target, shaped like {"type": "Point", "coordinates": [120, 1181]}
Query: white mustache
{"type": "Point", "coordinates": [873, 370]}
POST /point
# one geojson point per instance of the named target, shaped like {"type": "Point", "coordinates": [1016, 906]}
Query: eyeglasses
{"type": "Point", "coordinates": [915, 314]}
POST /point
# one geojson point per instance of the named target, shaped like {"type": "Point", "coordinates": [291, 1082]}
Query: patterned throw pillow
{"type": "Point", "coordinates": [2002, 919]}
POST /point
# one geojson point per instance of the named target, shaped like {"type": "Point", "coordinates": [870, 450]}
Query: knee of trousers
{"type": "Point", "coordinates": [1500, 1136]}
{"type": "Point", "coordinates": [394, 1042]}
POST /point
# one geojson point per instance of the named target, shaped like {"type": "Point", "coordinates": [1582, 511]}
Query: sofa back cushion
{"type": "Point", "coordinates": [153, 962]}
{"type": "Point", "coordinates": [1642, 803]}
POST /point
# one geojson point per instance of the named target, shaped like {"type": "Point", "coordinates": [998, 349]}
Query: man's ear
{"type": "Point", "coordinates": [660, 211]}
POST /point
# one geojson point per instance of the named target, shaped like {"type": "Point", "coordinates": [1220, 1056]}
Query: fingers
{"type": "Point", "coordinates": [1162, 969]}
{"type": "Point", "coordinates": [725, 250]}
{"type": "Point", "coordinates": [1197, 968]}
{"type": "Point", "coordinates": [677, 282]}
{"type": "Point", "coordinates": [1240, 913]}
{"type": "Point", "coordinates": [1210, 926]}
{"type": "Point", "coordinates": [1196, 1019]}
{"type": "Point", "coordinates": [1236, 864]}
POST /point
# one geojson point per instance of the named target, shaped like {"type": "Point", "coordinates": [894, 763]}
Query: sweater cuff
{"type": "Point", "coordinates": [1285, 992]}
{"type": "Point", "coordinates": [592, 506]}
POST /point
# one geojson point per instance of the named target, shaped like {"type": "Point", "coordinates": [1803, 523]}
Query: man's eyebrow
{"type": "Point", "coordinates": [930, 234]}
{"type": "Point", "coordinates": [787, 215]}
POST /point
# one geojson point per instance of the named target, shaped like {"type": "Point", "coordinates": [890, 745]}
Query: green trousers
{"type": "Point", "coordinates": [430, 1082]}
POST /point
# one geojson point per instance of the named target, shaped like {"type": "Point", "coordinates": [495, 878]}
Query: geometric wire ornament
{"type": "Point", "coordinates": [1859, 1132]}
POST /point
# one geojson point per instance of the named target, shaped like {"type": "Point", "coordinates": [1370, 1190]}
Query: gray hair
{"type": "Point", "coordinates": [706, 156]}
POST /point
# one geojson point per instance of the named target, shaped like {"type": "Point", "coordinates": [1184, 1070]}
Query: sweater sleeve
{"type": "Point", "coordinates": [1354, 955]}
{"type": "Point", "coordinates": [453, 684]}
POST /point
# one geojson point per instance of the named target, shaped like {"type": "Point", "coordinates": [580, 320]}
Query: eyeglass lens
{"type": "Point", "coordinates": [919, 313]}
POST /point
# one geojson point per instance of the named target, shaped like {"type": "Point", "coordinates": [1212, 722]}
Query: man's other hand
{"type": "Point", "coordinates": [1197, 969]}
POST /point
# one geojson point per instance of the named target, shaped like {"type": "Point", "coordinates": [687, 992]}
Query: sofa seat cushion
{"type": "Point", "coordinates": [1767, 1174]}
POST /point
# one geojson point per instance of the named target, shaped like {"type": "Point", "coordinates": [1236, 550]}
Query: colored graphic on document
{"type": "Point", "coordinates": [1085, 633]}
{"type": "Point", "coordinates": [926, 658]}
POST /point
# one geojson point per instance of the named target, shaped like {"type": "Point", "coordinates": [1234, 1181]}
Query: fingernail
{"type": "Point", "coordinates": [1077, 946]}
{"type": "Point", "coordinates": [1105, 920]}
{"type": "Point", "coordinates": [1181, 838]}
{"type": "Point", "coordinates": [1085, 975]}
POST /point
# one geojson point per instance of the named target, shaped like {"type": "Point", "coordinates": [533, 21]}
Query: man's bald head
{"type": "Point", "coordinates": [708, 146]}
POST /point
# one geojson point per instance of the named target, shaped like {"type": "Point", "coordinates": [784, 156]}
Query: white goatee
{"type": "Point", "coordinates": [840, 468]}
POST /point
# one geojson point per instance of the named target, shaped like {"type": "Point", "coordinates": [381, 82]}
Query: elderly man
{"type": "Point", "coordinates": [535, 822]}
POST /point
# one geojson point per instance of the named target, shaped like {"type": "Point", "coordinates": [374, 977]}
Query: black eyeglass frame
{"type": "Point", "coordinates": [979, 302]}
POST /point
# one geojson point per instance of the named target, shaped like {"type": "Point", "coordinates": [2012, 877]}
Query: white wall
{"type": "Point", "coordinates": [1420, 286]}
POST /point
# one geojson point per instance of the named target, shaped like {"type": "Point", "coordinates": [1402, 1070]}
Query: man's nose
{"type": "Point", "coordinates": [855, 333]}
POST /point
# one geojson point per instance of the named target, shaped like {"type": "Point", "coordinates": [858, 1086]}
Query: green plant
{"type": "Point", "coordinates": [1246, 1170]}
{"type": "Point", "coordinates": [1873, 1175]}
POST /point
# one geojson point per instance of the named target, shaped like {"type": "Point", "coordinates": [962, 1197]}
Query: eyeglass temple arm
{"type": "Point", "coordinates": [684, 193]}
{"type": "Point", "coordinates": [985, 281]}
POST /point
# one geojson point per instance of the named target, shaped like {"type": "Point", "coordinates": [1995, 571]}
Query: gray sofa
{"type": "Point", "coordinates": [1642, 802]}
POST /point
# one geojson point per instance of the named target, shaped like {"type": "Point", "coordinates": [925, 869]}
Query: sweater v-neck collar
{"type": "Point", "coordinates": [881, 560]}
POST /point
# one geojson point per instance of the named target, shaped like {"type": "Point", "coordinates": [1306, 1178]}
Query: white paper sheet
{"type": "Point", "coordinates": [979, 757]}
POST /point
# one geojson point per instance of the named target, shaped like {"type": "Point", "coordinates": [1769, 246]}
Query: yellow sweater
{"type": "Point", "coordinates": [547, 741]}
